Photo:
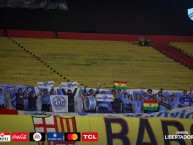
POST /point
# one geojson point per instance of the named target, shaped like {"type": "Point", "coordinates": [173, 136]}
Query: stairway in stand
{"type": "Point", "coordinates": [175, 54]}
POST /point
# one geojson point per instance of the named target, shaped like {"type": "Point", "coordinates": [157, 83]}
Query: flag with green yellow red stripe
{"type": "Point", "coordinates": [120, 85]}
{"type": "Point", "coordinates": [150, 105]}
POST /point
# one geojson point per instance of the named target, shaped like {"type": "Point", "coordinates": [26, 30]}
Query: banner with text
{"type": "Point", "coordinates": [111, 130]}
{"type": "Point", "coordinates": [183, 113]}
{"type": "Point", "coordinates": [59, 103]}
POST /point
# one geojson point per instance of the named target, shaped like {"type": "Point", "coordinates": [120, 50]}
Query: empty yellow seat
{"type": "Point", "coordinates": [90, 62]}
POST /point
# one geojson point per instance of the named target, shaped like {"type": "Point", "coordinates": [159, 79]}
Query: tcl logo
{"type": "Point", "coordinates": [20, 137]}
{"type": "Point", "coordinates": [90, 136]}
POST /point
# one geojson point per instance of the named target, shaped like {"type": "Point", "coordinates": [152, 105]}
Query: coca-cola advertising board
{"type": "Point", "coordinates": [20, 137]}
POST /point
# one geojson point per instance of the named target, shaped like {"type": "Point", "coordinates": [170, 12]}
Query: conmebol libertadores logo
{"type": "Point", "coordinates": [190, 13]}
{"type": "Point", "coordinates": [179, 135]}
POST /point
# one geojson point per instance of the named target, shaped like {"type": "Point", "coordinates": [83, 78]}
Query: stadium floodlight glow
{"type": "Point", "coordinates": [190, 13]}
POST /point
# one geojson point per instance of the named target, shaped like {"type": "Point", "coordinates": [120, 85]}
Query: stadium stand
{"type": "Point", "coordinates": [18, 67]}
{"type": "Point", "coordinates": [104, 72]}
{"type": "Point", "coordinates": [184, 47]}
{"type": "Point", "coordinates": [90, 62]}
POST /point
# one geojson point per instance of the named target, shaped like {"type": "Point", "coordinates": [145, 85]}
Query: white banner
{"type": "Point", "coordinates": [59, 103]}
{"type": "Point", "coordinates": [45, 85]}
{"type": "Point", "coordinates": [185, 112]}
{"type": "Point", "coordinates": [105, 97]}
{"type": "Point", "coordinates": [69, 85]}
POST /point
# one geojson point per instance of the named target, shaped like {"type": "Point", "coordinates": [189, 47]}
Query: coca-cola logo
{"type": "Point", "coordinates": [20, 137]}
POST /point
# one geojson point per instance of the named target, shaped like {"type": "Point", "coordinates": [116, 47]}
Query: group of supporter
{"type": "Point", "coordinates": [124, 101]}
{"type": "Point", "coordinates": [144, 41]}
{"type": "Point", "coordinates": [33, 98]}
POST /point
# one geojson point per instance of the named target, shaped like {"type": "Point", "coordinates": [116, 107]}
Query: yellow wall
{"type": "Point", "coordinates": [133, 128]}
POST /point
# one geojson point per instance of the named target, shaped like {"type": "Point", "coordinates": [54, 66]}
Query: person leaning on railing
{"type": "Point", "coordinates": [187, 100]}
{"type": "Point", "coordinates": [174, 103]}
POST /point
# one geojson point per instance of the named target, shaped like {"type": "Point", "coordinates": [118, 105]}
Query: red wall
{"type": "Point", "coordinates": [30, 34]}
{"type": "Point", "coordinates": [1, 33]}
{"type": "Point", "coordinates": [92, 36]}
{"type": "Point", "coordinates": [166, 39]}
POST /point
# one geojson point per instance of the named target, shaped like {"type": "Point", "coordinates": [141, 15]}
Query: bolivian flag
{"type": "Point", "coordinates": [120, 85]}
{"type": "Point", "coordinates": [150, 105]}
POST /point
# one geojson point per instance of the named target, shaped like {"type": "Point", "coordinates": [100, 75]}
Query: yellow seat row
{"type": "Point", "coordinates": [90, 62]}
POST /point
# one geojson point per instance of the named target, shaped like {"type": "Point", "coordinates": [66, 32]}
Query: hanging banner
{"type": "Point", "coordinates": [183, 113]}
{"type": "Point", "coordinates": [109, 130]}
{"type": "Point", "coordinates": [45, 85]}
{"type": "Point", "coordinates": [59, 103]}
{"type": "Point", "coordinates": [69, 85]}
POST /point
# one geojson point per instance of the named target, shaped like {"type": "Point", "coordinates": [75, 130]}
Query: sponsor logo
{"type": "Point", "coordinates": [190, 13]}
{"type": "Point", "coordinates": [55, 136]}
{"type": "Point", "coordinates": [20, 137]}
{"type": "Point", "coordinates": [37, 136]}
{"type": "Point", "coordinates": [59, 102]}
{"type": "Point", "coordinates": [89, 136]}
{"type": "Point", "coordinates": [72, 136]}
{"type": "Point", "coordinates": [52, 123]}
{"type": "Point", "coordinates": [181, 132]}
{"type": "Point", "coordinates": [5, 137]}
{"type": "Point", "coordinates": [179, 135]}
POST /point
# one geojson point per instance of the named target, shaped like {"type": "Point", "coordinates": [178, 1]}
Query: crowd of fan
{"type": "Point", "coordinates": [124, 102]}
